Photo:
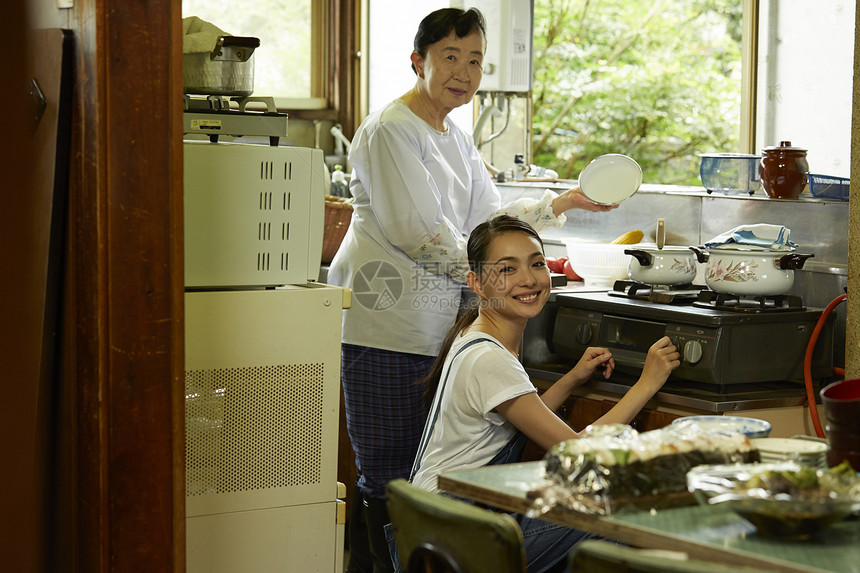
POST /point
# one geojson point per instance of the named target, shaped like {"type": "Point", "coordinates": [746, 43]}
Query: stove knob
{"type": "Point", "coordinates": [692, 351]}
{"type": "Point", "coordinates": [583, 334]}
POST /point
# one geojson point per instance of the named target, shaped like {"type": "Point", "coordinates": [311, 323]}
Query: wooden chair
{"type": "Point", "coordinates": [596, 556]}
{"type": "Point", "coordinates": [437, 534]}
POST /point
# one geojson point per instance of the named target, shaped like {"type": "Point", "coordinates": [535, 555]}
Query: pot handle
{"type": "Point", "coordinates": [701, 254]}
{"type": "Point", "coordinates": [234, 51]}
{"type": "Point", "coordinates": [792, 261]}
{"type": "Point", "coordinates": [643, 257]}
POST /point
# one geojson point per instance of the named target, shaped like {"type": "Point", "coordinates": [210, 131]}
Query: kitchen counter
{"type": "Point", "coordinates": [679, 394]}
{"type": "Point", "coordinates": [783, 404]}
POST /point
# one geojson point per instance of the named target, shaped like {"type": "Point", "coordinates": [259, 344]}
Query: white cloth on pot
{"type": "Point", "coordinates": [199, 36]}
{"type": "Point", "coordinates": [762, 235]}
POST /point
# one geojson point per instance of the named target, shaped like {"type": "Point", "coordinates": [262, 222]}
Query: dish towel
{"type": "Point", "coordinates": [199, 36]}
{"type": "Point", "coordinates": [762, 235]}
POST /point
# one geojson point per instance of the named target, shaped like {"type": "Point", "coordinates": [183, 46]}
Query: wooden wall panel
{"type": "Point", "coordinates": [21, 539]}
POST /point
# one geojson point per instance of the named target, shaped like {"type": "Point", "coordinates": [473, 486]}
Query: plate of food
{"type": "Point", "coordinates": [750, 427]}
{"type": "Point", "coordinates": [610, 179]}
{"type": "Point", "coordinates": [784, 499]}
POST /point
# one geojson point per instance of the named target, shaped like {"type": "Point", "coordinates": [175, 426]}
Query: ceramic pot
{"type": "Point", "coordinates": [842, 404]}
{"type": "Point", "coordinates": [667, 266]}
{"type": "Point", "coordinates": [783, 170]}
{"type": "Point", "coordinates": [749, 272]}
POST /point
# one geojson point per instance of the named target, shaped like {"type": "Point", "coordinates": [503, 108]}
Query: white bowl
{"type": "Point", "coordinates": [599, 264]}
{"type": "Point", "coordinates": [750, 427]}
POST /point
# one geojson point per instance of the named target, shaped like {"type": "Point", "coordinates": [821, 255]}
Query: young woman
{"type": "Point", "coordinates": [483, 403]}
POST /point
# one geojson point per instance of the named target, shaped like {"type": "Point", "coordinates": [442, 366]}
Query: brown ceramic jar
{"type": "Point", "coordinates": [783, 170]}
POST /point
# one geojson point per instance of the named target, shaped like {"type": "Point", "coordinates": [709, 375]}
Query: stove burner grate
{"type": "Point", "coordinates": [748, 303]}
{"type": "Point", "coordinates": [677, 294]}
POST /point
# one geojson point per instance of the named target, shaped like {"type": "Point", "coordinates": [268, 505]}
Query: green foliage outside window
{"type": "Point", "coordinates": [659, 81]}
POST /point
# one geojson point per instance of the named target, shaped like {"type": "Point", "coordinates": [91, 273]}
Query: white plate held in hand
{"type": "Point", "coordinates": [610, 179]}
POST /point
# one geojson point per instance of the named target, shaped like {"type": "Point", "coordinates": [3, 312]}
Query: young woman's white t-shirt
{"type": "Point", "coordinates": [467, 433]}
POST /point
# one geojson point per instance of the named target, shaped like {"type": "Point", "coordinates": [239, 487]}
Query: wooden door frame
{"type": "Point", "coordinates": [124, 335]}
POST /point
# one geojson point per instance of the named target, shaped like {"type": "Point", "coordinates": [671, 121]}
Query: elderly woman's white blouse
{"type": "Point", "coordinates": [418, 194]}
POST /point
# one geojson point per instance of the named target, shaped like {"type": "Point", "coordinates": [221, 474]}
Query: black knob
{"type": "Point", "coordinates": [583, 334]}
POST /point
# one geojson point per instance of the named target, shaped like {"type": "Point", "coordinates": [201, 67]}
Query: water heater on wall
{"type": "Point", "coordinates": [508, 59]}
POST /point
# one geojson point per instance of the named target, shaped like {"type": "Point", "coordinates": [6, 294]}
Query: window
{"type": "Point", "coordinates": [661, 81]}
{"type": "Point", "coordinates": [805, 80]}
{"type": "Point", "coordinates": [291, 62]}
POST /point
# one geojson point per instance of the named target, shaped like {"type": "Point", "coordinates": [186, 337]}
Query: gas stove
{"type": "Point", "coordinates": [676, 294]}
{"type": "Point", "coordinates": [215, 116]}
{"type": "Point", "coordinates": [721, 346]}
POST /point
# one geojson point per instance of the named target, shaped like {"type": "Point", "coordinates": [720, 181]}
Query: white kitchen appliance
{"type": "Point", "coordinates": [508, 59]}
{"type": "Point", "coordinates": [262, 355]}
{"type": "Point", "coordinates": [262, 382]}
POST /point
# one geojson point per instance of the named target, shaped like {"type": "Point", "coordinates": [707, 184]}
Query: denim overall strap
{"type": "Point", "coordinates": [512, 452]}
{"type": "Point", "coordinates": [431, 419]}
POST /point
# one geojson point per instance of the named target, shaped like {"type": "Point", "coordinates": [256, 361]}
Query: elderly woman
{"type": "Point", "coordinates": [420, 188]}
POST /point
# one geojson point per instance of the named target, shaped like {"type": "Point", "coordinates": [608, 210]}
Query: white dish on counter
{"type": "Point", "coordinates": [750, 427]}
{"type": "Point", "coordinates": [807, 452]}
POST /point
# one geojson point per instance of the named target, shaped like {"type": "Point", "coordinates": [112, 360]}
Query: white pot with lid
{"type": "Point", "coordinates": [667, 266]}
{"type": "Point", "coordinates": [658, 264]}
{"type": "Point", "coordinates": [750, 270]}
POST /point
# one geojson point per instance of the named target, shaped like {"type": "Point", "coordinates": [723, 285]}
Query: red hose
{"type": "Point", "coordinates": [807, 362]}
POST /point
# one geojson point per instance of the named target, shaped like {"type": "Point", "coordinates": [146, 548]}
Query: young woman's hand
{"type": "Point", "coordinates": [662, 358]}
{"type": "Point", "coordinates": [592, 359]}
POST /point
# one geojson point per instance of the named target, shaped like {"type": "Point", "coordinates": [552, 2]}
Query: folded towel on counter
{"type": "Point", "coordinates": [762, 235]}
{"type": "Point", "coordinates": [199, 36]}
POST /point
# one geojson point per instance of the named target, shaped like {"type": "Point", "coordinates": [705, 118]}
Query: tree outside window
{"type": "Point", "coordinates": [659, 81]}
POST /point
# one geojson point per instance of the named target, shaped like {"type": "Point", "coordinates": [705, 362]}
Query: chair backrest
{"type": "Point", "coordinates": [596, 556]}
{"type": "Point", "coordinates": [431, 528]}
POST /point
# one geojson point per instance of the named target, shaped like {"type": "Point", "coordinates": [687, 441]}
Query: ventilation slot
{"type": "Point", "coordinates": [288, 170]}
{"type": "Point", "coordinates": [265, 201]}
{"type": "Point", "coordinates": [262, 261]}
{"type": "Point", "coordinates": [285, 231]}
{"type": "Point", "coordinates": [267, 170]}
{"type": "Point", "coordinates": [264, 232]}
{"type": "Point", "coordinates": [520, 71]}
{"type": "Point", "coordinates": [285, 261]}
{"type": "Point", "coordinates": [253, 428]}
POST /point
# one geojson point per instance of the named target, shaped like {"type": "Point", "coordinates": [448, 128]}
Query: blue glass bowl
{"type": "Point", "coordinates": [730, 173]}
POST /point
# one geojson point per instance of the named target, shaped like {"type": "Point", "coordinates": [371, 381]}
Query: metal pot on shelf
{"type": "Point", "coordinates": [227, 70]}
{"type": "Point", "coordinates": [749, 271]}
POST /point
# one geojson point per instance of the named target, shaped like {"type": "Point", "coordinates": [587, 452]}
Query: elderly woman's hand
{"type": "Point", "coordinates": [575, 199]}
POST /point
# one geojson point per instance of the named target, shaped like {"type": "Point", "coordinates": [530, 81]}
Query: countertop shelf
{"type": "Point", "coordinates": [683, 395]}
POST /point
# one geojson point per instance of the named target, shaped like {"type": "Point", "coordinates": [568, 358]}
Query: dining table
{"type": "Point", "coordinates": [704, 532]}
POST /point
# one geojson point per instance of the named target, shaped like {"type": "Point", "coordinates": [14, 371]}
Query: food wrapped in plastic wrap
{"type": "Point", "coordinates": [782, 499]}
{"type": "Point", "coordinates": [614, 466]}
